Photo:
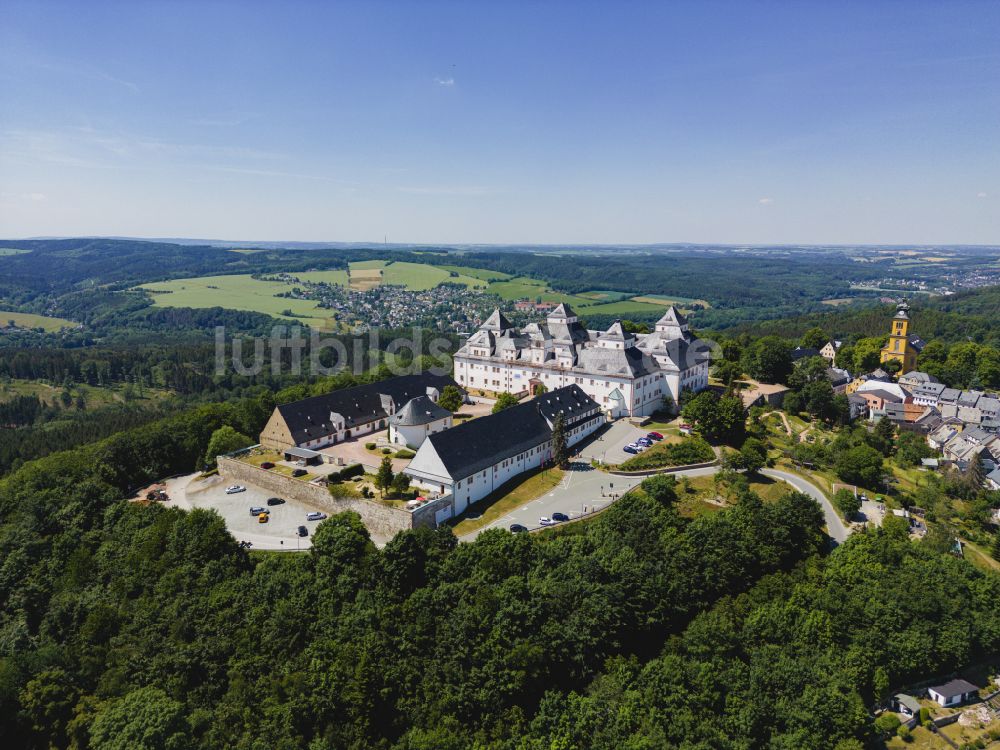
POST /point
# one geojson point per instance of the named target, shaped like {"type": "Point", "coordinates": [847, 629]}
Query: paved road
{"type": "Point", "coordinates": [590, 489]}
{"type": "Point", "coordinates": [834, 525]}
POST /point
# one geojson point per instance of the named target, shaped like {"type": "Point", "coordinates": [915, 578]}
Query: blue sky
{"type": "Point", "coordinates": [749, 122]}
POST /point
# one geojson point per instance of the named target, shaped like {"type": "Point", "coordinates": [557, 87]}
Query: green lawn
{"type": "Point", "coordinates": [30, 320]}
{"type": "Point", "coordinates": [514, 494]}
{"type": "Point", "coordinates": [239, 292]}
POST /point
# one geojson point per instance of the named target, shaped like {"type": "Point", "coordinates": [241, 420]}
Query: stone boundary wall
{"type": "Point", "coordinates": [378, 519]}
{"type": "Point", "coordinates": [663, 470]}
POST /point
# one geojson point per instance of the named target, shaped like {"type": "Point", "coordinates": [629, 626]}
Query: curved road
{"type": "Point", "coordinates": [586, 489]}
{"type": "Point", "coordinates": [834, 525]}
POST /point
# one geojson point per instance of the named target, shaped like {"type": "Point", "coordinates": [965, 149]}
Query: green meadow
{"type": "Point", "coordinates": [241, 292]}
{"type": "Point", "coordinates": [30, 320]}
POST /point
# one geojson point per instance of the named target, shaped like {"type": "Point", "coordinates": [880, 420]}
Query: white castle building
{"type": "Point", "coordinates": [627, 374]}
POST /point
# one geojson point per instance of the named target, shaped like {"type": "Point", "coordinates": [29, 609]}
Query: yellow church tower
{"type": "Point", "coordinates": [899, 347]}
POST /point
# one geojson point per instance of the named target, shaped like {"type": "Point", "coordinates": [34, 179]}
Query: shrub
{"type": "Point", "coordinates": [887, 723]}
{"type": "Point", "coordinates": [386, 451]}
{"type": "Point", "coordinates": [693, 450]}
{"type": "Point", "coordinates": [904, 733]}
{"type": "Point", "coordinates": [405, 453]}
{"type": "Point", "coordinates": [354, 470]}
{"type": "Point", "coordinates": [370, 446]}
{"type": "Point", "coordinates": [847, 502]}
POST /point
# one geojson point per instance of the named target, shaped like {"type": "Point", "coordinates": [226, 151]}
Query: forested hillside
{"type": "Point", "coordinates": [969, 315]}
{"type": "Point", "coordinates": [121, 621]}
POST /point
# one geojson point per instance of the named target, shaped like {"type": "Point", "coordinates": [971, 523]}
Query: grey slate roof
{"type": "Point", "coordinates": [801, 352]}
{"type": "Point", "coordinates": [481, 443]}
{"type": "Point", "coordinates": [672, 317]}
{"type": "Point", "coordinates": [953, 688]}
{"type": "Point", "coordinates": [309, 418]}
{"type": "Point", "coordinates": [419, 410]}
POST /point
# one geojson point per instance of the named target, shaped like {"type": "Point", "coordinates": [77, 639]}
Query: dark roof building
{"type": "Point", "coordinates": [482, 443]}
{"type": "Point", "coordinates": [419, 410]}
{"type": "Point", "coordinates": [322, 420]}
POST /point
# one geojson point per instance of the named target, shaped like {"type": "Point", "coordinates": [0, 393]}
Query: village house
{"type": "Point", "coordinates": [915, 378]}
{"type": "Point", "coordinates": [473, 459]}
{"type": "Point", "coordinates": [626, 374]}
{"type": "Point", "coordinates": [333, 417]}
{"type": "Point", "coordinates": [953, 693]}
{"type": "Point", "coordinates": [829, 351]}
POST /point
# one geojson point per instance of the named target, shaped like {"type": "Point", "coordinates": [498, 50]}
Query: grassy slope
{"type": "Point", "coordinates": [240, 292]}
{"type": "Point", "coordinates": [30, 320]}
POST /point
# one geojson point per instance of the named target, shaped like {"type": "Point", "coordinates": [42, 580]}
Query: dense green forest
{"type": "Point", "coordinates": [134, 626]}
{"type": "Point", "coordinates": [131, 626]}
{"type": "Point", "coordinates": [965, 316]}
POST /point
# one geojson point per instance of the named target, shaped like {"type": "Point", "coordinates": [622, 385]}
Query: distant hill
{"type": "Point", "coordinates": [970, 315]}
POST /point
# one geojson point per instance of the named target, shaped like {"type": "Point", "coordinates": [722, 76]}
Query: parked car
{"type": "Point", "coordinates": [234, 488]}
{"type": "Point", "coordinates": [267, 464]}
{"type": "Point", "coordinates": [560, 517]}
{"type": "Point", "coordinates": [315, 516]}
{"type": "Point", "coordinates": [303, 531]}
{"type": "Point", "coordinates": [645, 442]}
{"type": "Point", "coordinates": [256, 510]}
{"type": "Point", "coordinates": [631, 448]}
{"type": "Point", "coordinates": [545, 521]}
{"type": "Point", "coordinates": [299, 472]}
{"type": "Point", "coordinates": [263, 518]}
{"type": "Point", "coordinates": [517, 528]}
{"type": "Point", "coordinates": [275, 501]}
{"type": "Point", "coordinates": [654, 436]}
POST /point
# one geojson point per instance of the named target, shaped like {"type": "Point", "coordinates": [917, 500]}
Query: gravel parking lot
{"type": "Point", "coordinates": [278, 533]}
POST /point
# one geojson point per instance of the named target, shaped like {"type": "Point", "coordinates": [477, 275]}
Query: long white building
{"type": "Point", "coordinates": [626, 374]}
{"type": "Point", "coordinates": [470, 461]}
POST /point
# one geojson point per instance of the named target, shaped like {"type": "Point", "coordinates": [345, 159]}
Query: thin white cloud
{"type": "Point", "coordinates": [34, 196]}
{"type": "Point", "coordinates": [765, 201]}
{"type": "Point", "coordinates": [981, 195]}
{"type": "Point", "coordinates": [444, 81]}
{"type": "Point", "coordinates": [444, 189]}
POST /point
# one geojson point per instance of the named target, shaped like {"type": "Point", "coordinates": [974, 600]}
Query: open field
{"type": "Point", "coordinates": [12, 251]}
{"type": "Point", "coordinates": [520, 287]}
{"type": "Point", "coordinates": [414, 276]}
{"type": "Point", "coordinates": [478, 273]}
{"type": "Point", "coordinates": [240, 292]}
{"type": "Point", "coordinates": [247, 250]}
{"type": "Point", "coordinates": [602, 295]}
{"type": "Point", "coordinates": [666, 300]}
{"type": "Point", "coordinates": [337, 277]}
{"type": "Point", "coordinates": [837, 301]}
{"type": "Point", "coordinates": [624, 309]}
{"type": "Point", "coordinates": [93, 396]}
{"type": "Point", "coordinates": [30, 320]}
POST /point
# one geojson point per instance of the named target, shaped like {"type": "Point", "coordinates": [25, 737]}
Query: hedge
{"type": "Point", "coordinates": [354, 470]}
